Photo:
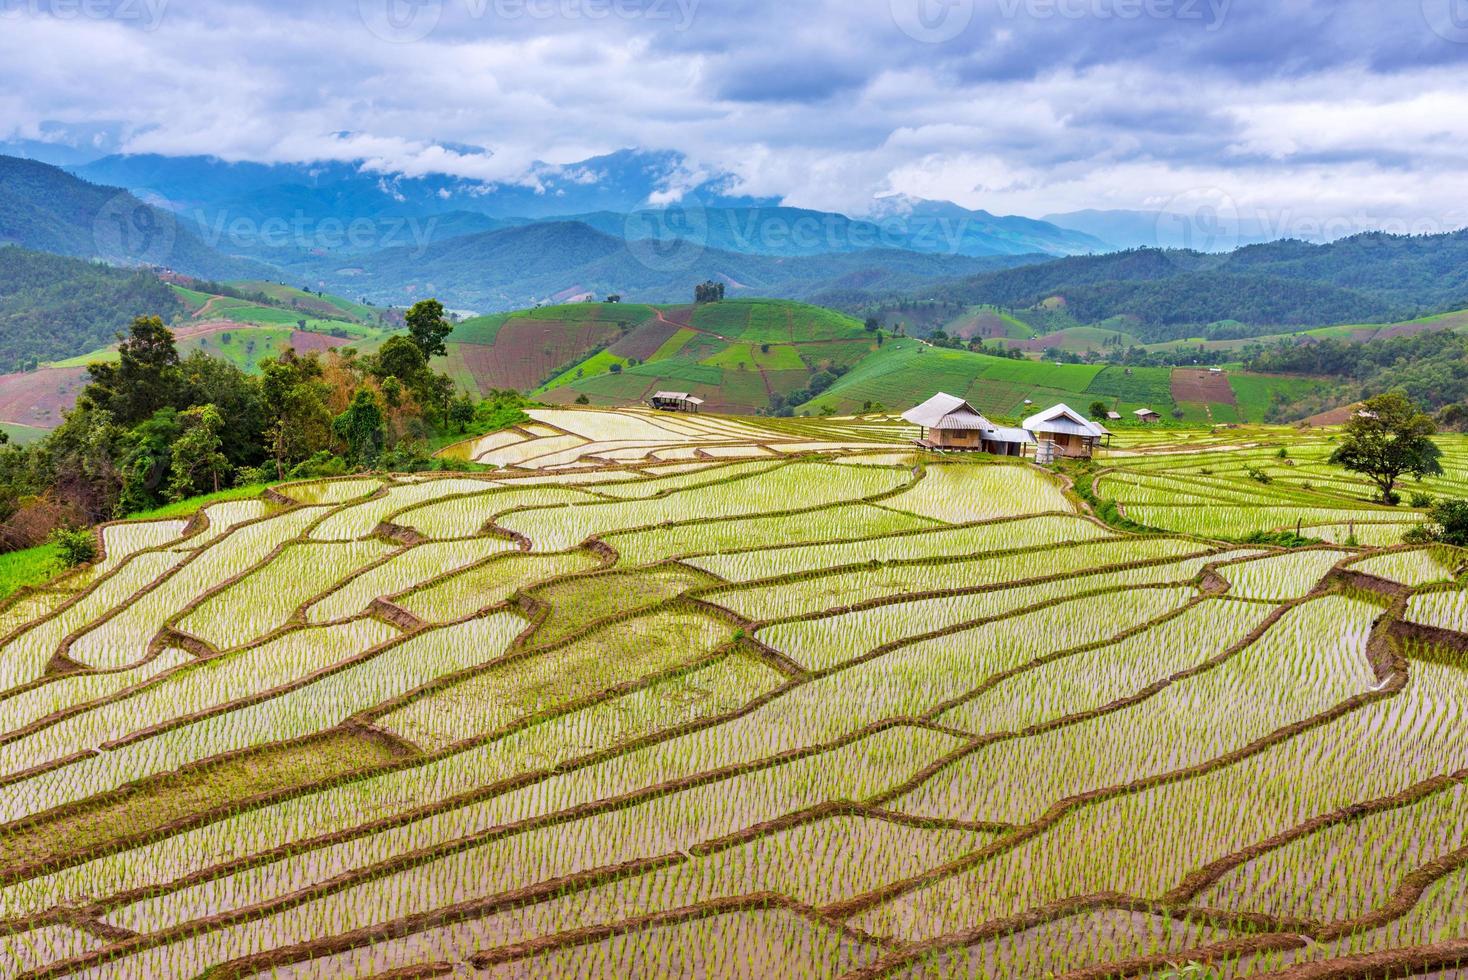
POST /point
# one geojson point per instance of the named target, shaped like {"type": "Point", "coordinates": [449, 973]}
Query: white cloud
{"type": "Point", "coordinates": [823, 104]}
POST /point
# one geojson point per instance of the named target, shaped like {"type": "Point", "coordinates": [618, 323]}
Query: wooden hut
{"type": "Point", "coordinates": [950, 423]}
{"type": "Point", "coordinates": [1062, 431]}
{"type": "Point", "coordinates": [675, 401]}
{"type": "Point", "coordinates": [1147, 415]}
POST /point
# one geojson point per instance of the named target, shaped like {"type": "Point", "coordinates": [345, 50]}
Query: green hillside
{"type": "Point", "coordinates": [244, 331]}
{"type": "Point", "coordinates": [320, 304]}
{"type": "Point", "coordinates": [739, 355]}
{"type": "Point", "coordinates": [905, 371]}
{"type": "Point", "coordinates": [54, 307]}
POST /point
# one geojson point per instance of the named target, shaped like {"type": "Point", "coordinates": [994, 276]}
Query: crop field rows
{"type": "Point", "coordinates": [564, 439]}
{"type": "Point", "coordinates": [1232, 491]}
{"type": "Point", "coordinates": [835, 712]}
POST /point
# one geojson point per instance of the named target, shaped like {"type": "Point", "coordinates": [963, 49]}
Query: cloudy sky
{"type": "Point", "coordinates": [1294, 110]}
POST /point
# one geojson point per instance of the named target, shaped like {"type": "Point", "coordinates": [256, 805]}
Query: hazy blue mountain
{"type": "Point", "coordinates": [46, 209]}
{"type": "Point", "coordinates": [930, 227]}
{"type": "Point", "coordinates": [521, 266]}
{"type": "Point", "coordinates": [620, 181]}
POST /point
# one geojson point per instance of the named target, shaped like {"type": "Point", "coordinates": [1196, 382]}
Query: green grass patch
{"type": "Point", "coordinates": [479, 330]}
{"type": "Point", "coordinates": [674, 344]}
{"type": "Point", "coordinates": [192, 505]}
{"type": "Point", "coordinates": [23, 435]}
{"type": "Point", "coordinates": [598, 363]}
{"type": "Point", "coordinates": [192, 299]}
{"type": "Point", "coordinates": [33, 566]}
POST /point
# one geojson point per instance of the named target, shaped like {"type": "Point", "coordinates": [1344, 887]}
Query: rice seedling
{"type": "Point", "coordinates": [746, 566]}
{"type": "Point", "coordinates": [1313, 659]}
{"type": "Point", "coordinates": [920, 706]}
{"type": "Point", "coordinates": [1280, 577]}
{"type": "Point", "coordinates": [956, 493]}
{"type": "Point", "coordinates": [1420, 566]}
{"type": "Point", "coordinates": [402, 573]}
{"type": "Point", "coordinates": [262, 601]}
{"type": "Point", "coordinates": [617, 654]}
{"type": "Point", "coordinates": [1445, 610]}
{"type": "Point", "coordinates": [782, 599]}
{"type": "Point", "coordinates": [330, 491]}
{"type": "Point", "coordinates": [360, 520]}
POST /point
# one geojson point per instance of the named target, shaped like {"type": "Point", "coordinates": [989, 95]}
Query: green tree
{"type": "Point", "coordinates": [198, 465]}
{"type": "Point", "coordinates": [239, 398]}
{"type": "Point", "coordinates": [403, 359]}
{"type": "Point", "coordinates": [297, 422]}
{"type": "Point", "coordinates": [1386, 439]}
{"type": "Point", "coordinates": [461, 412]}
{"type": "Point", "coordinates": [146, 377]}
{"type": "Point", "coordinates": [428, 327]}
{"type": "Point", "coordinates": [1447, 522]}
{"type": "Point", "coordinates": [147, 462]}
{"type": "Point", "coordinates": [1099, 410]}
{"type": "Point", "coordinates": [361, 428]}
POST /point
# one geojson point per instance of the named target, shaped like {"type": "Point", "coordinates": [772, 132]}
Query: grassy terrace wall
{"type": "Point", "coordinates": [714, 696]}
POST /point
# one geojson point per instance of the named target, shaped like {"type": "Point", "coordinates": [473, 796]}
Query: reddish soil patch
{"type": "Point", "coordinates": [208, 327]}
{"type": "Point", "coordinates": [1452, 322]}
{"type": "Point", "coordinates": [1336, 416]}
{"type": "Point", "coordinates": [986, 326]}
{"type": "Point", "coordinates": [39, 397]}
{"type": "Point", "coordinates": [644, 341]}
{"type": "Point", "coordinates": [527, 352]}
{"type": "Point", "coordinates": [305, 341]}
{"type": "Point", "coordinates": [1205, 387]}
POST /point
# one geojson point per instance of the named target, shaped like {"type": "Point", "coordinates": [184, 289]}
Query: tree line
{"type": "Point", "coordinates": [154, 427]}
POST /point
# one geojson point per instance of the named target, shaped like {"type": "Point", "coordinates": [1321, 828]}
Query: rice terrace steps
{"type": "Point", "coordinates": [654, 694]}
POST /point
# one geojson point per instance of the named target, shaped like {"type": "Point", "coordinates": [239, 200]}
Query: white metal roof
{"type": "Point", "coordinates": [672, 395]}
{"type": "Point", "coordinates": [1063, 418]}
{"type": "Point", "coordinates": [944, 411]}
{"type": "Point", "coordinates": [1004, 433]}
{"type": "Point", "coordinates": [1143, 412]}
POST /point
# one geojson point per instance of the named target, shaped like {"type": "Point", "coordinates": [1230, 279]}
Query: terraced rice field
{"type": "Point", "coordinates": [710, 697]}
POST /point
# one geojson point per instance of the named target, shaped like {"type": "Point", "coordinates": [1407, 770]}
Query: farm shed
{"type": "Point", "coordinates": [949, 422]}
{"type": "Point", "coordinates": [1062, 431]}
{"type": "Point", "coordinates": [1147, 415]}
{"type": "Point", "coordinates": [676, 401]}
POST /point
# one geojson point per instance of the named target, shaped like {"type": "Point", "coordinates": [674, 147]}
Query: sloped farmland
{"type": "Point", "coordinates": [808, 706]}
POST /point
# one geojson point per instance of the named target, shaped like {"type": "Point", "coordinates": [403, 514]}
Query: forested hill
{"type": "Point", "coordinates": [1367, 278]}
{"type": "Point", "coordinates": [52, 307]}
{"type": "Point", "coordinates": [46, 209]}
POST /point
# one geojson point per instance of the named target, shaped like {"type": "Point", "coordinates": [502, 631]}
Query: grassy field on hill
{"type": "Point", "coordinates": [721, 696]}
{"type": "Point", "coordinates": [906, 371]}
{"type": "Point", "coordinates": [736, 354]}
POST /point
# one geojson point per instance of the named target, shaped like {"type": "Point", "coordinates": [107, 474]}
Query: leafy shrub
{"type": "Point", "coordinates": [74, 546]}
{"type": "Point", "coordinates": [1420, 499]}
